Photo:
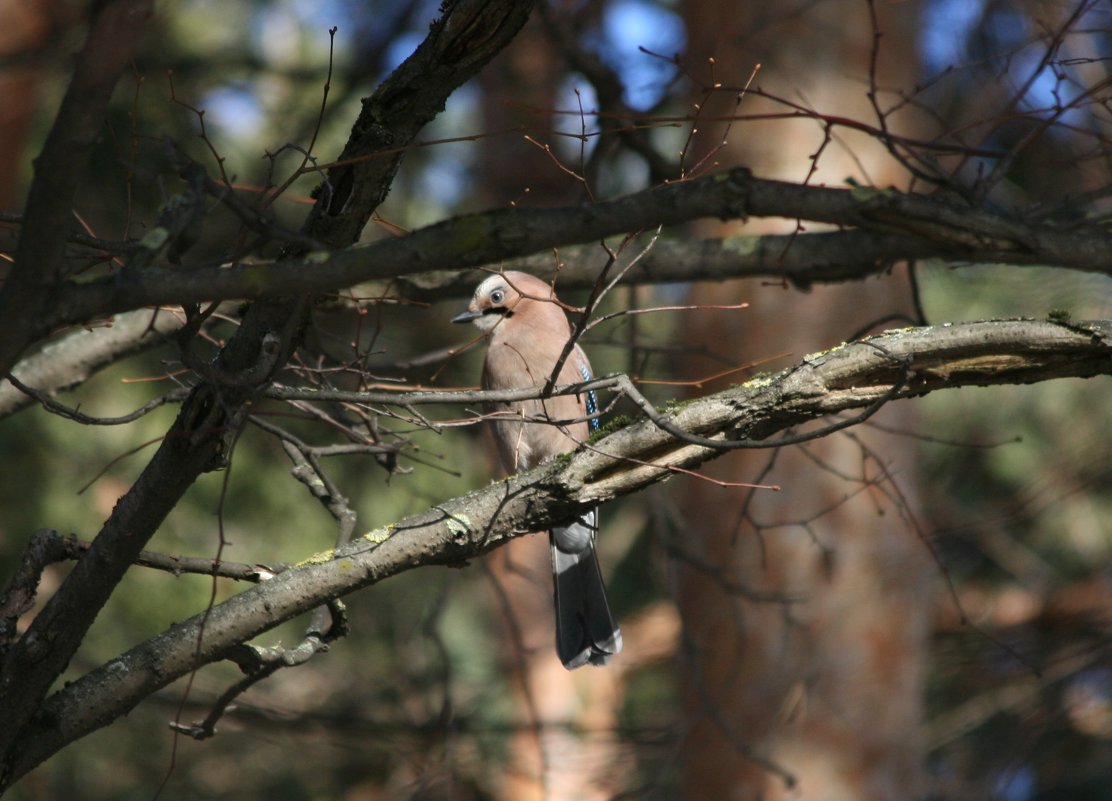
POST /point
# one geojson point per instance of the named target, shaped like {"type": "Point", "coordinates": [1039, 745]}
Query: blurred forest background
{"type": "Point", "coordinates": [924, 610]}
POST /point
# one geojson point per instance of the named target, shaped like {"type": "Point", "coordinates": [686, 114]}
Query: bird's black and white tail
{"type": "Point", "coordinates": [585, 630]}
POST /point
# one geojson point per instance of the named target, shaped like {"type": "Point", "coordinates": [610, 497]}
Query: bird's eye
{"type": "Point", "coordinates": [497, 296]}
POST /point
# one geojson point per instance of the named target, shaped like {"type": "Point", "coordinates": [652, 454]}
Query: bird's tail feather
{"type": "Point", "coordinates": [585, 630]}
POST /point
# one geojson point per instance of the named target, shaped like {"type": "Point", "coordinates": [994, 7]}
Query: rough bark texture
{"type": "Point", "coordinates": [894, 226]}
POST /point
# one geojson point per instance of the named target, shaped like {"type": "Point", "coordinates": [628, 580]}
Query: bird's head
{"type": "Point", "coordinates": [504, 296]}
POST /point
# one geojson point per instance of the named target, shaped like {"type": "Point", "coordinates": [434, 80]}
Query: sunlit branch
{"type": "Point", "coordinates": [852, 376]}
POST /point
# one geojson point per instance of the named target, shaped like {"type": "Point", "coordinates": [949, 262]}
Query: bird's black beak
{"type": "Point", "coordinates": [466, 316]}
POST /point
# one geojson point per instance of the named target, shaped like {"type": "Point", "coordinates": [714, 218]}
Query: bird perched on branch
{"type": "Point", "coordinates": [527, 333]}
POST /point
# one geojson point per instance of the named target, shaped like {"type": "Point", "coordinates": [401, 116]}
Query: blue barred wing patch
{"type": "Point", "coordinates": [592, 401]}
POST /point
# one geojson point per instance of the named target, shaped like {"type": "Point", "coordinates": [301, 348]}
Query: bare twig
{"type": "Point", "coordinates": [54, 407]}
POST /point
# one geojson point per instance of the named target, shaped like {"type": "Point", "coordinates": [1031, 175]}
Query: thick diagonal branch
{"type": "Point", "coordinates": [468, 34]}
{"type": "Point", "coordinates": [915, 361]}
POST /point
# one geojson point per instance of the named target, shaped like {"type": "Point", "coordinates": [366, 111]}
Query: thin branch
{"type": "Point", "coordinates": [54, 407]}
{"type": "Point", "coordinates": [422, 397]}
{"type": "Point", "coordinates": [74, 356]}
{"type": "Point", "coordinates": [262, 663]}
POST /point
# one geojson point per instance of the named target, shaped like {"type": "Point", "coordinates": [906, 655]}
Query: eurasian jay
{"type": "Point", "coordinates": [527, 332]}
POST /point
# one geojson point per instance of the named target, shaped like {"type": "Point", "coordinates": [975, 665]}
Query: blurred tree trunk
{"type": "Point", "coordinates": [520, 90]}
{"type": "Point", "coordinates": [22, 36]}
{"type": "Point", "coordinates": [830, 687]}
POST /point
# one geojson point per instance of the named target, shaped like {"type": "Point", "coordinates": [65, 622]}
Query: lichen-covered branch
{"type": "Point", "coordinates": [903, 363]}
{"type": "Point", "coordinates": [888, 225]}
